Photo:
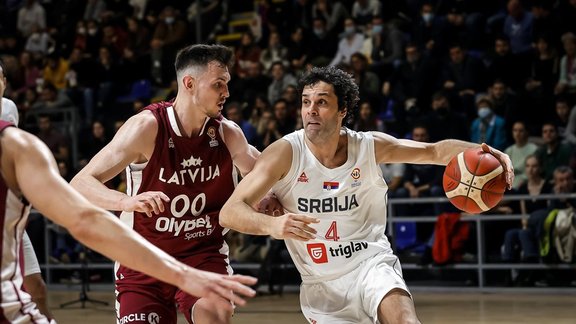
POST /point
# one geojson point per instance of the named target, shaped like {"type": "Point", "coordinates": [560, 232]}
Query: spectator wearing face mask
{"type": "Point", "coordinates": [325, 43]}
{"type": "Point", "coordinates": [168, 37]}
{"type": "Point", "coordinates": [488, 128]}
{"type": "Point", "coordinates": [351, 42]}
{"type": "Point", "coordinates": [429, 31]}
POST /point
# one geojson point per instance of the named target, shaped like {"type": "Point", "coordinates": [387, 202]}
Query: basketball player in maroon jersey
{"type": "Point", "coordinates": [29, 175]}
{"type": "Point", "coordinates": [181, 159]}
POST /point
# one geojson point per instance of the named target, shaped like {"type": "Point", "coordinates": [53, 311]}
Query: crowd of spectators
{"type": "Point", "coordinates": [501, 72]}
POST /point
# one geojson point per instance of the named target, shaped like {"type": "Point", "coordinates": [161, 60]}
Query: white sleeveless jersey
{"type": "Point", "coordinates": [349, 200]}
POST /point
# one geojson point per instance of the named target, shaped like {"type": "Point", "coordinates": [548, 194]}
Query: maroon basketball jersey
{"type": "Point", "coordinates": [15, 304]}
{"type": "Point", "coordinates": [197, 174]}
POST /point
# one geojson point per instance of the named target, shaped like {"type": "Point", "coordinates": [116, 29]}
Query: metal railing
{"type": "Point", "coordinates": [481, 265]}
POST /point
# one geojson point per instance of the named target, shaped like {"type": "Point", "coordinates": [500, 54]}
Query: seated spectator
{"type": "Point", "coordinates": [234, 113]}
{"type": "Point", "coordinates": [411, 83]}
{"type": "Point", "coordinates": [285, 120]}
{"type": "Point", "coordinates": [367, 119]}
{"type": "Point", "coordinates": [94, 141]}
{"type": "Point", "coordinates": [567, 81]}
{"type": "Point", "coordinates": [539, 86]}
{"type": "Point", "coordinates": [393, 174]}
{"type": "Point", "coordinates": [51, 98]}
{"type": "Point", "coordinates": [387, 43]}
{"type": "Point", "coordinates": [429, 31]}
{"type": "Point", "coordinates": [553, 153]}
{"type": "Point", "coordinates": [297, 51]}
{"type": "Point", "coordinates": [503, 65]}
{"type": "Point", "coordinates": [31, 14]}
{"type": "Point", "coordinates": [247, 51]}
{"type": "Point", "coordinates": [364, 10]}
{"type": "Point", "coordinates": [351, 41]}
{"type": "Point", "coordinates": [463, 77]}
{"type": "Point", "coordinates": [421, 180]}
{"type": "Point", "coordinates": [26, 75]}
{"type": "Point", "coordinates": [53, 138]}
{"type": "Point", "coordinates": [488, 128]}
{"type": "Point", "coordinates": [280, 80]}
{"type": "Point", "coordinates": [39, 43]}
{"type": "Point", "coordinates": [518, 27]}
{"type": "Point", "coordinates": [534, 185]}
{"type": "Point", "coordinates": [334, 12]}
{"type": "Point", "coordinates": [561, 115]}
{"type": "Point", "coordinates": [443, 122]}
{"type": "Point", "coordinates": [269, 129]}
{"type": "Point", "coordinates": [367, 81]}
{"type": "Point", "coordinates": [55, 71]}
{"type": "Point", "coordinates": [519, 243]}
{"type": "Point", "coordinates": [504, 104]}
{"type": "Point", "coordinates": [168, 37]}
{"type": "Point", "coordinates": [519, 151]}
{"type": "Point", "coordinates": [325, 44]}
{"type": "Point", "coordinates": [537, 242]}
{"type": "Point", "coordinates": [274, 52]}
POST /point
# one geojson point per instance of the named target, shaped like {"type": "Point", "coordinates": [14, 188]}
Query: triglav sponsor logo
{"type": "Point", "coordinates": [317, 252]}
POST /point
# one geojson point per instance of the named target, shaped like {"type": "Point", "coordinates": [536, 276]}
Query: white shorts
{"type": "Point", "coordinates": [31, 265]}
{"type": "Point", "coordinates": [354, 297]}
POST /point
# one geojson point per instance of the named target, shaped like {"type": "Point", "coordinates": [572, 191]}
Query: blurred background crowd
{"type": "Point", "coordinates": [501, 72]}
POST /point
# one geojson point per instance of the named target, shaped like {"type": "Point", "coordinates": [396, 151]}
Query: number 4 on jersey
{"type": "Point", "coordinates": [332, 233]}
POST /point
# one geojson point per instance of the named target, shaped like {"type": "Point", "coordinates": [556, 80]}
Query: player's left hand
{"type": "Point", "coordinates": [270, 205]}
{"type": "Point", "coordinates": [504, 160]}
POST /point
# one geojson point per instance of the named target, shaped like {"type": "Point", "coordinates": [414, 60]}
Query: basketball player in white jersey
{"type": "Point", "coordinates": [33, 281]}
{"type": "Point", "coordinates": [328, 180]}
{"type": "Point", "coordinates": [28, 174]}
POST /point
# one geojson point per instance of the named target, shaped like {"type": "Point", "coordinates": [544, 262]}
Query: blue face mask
{"type": "Point", "coordinates": [350, 30]}
{"type": "Point", "coordinates": [169, 20]}
{"type": "Point", "coordinates": [376, 29]}
{"type": "Point", "coordinates": [427, 17]}
{"type": "Point", "coordinates": [484, 112]}
{"type": "Point", "coordinates": [318, 32]}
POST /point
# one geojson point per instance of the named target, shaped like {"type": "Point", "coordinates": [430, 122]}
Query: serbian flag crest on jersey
{"type": "Point", "coordinates": [329, 185]}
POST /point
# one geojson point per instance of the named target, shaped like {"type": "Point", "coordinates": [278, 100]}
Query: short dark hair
{"type": "Point", "coordinates": [345, 88]}
{"type": "Point", "coordinates": [201, 55]}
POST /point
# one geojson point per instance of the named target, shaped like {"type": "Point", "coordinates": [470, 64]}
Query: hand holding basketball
{"type": "Point", "coordinates": [475, 180]}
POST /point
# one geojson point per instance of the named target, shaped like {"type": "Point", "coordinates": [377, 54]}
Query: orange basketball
{"type": "Point", "coordinates": [474, 181]}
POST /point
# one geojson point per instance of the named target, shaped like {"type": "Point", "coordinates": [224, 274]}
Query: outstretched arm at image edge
{"type": "Point", "coordinates": [37, 174]}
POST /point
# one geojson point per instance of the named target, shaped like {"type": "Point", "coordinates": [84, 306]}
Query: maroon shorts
{"type": "Point", "coordinates": [143, 299]}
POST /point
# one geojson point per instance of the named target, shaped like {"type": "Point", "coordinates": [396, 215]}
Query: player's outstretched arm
{"type": "Point", "coordinates": [389, 149]}
{"type": "Point", "coordinates": [32, 170]}
{"type": "Point", "coordinates": [134, 142]}
{"type": "Point", "coordinates": [237, 213]}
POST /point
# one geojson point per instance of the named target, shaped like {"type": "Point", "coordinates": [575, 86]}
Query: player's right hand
{"type": "Point", "coordinates": [294, 226]}
{"type": "Point", "coordinates": [149, 202]}
{"type": "Point", "coordinates": [208, 284]}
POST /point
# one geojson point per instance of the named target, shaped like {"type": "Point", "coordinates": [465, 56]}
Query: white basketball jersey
{"type": "Point", "coordinates": [349, 200]}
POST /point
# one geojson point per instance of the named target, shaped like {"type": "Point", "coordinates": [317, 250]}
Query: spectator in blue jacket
{"type": "Point", "coordinates": [488, 128]}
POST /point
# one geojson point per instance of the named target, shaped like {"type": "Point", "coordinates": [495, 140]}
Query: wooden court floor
{"type": "Point", "coordinates": [432, 308]}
